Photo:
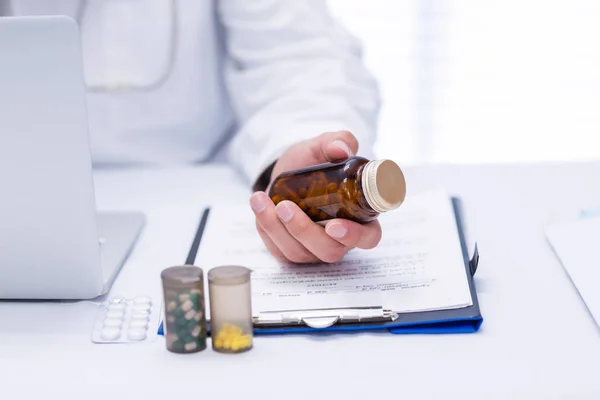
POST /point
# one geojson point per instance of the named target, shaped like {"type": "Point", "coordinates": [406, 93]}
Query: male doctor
{"type": "Point", "coordinates": [273, 84]}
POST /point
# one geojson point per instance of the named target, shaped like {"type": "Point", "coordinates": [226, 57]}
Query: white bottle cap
{"type": "Point", "coordinates": [384, 185]}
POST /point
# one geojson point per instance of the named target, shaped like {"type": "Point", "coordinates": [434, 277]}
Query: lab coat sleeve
{"type": "Point", "coordinates": [293, 73]}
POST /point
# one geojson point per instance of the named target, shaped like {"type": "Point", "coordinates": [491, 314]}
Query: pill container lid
{"type": "Point", "coordinates": [229, 275]}
{"type": "Point", "coordinates": [182, 275]}
{"type": "Point", "coordinates": [384, 185]}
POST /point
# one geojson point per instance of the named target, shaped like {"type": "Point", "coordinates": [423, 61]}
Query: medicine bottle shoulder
{"type": "Point", "coordinates": [351, 161]}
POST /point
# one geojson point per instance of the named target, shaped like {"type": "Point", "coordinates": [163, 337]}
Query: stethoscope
{"type": "Point", "coordinates": [162, 78]}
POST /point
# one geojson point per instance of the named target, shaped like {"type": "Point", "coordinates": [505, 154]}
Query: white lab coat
{"type": "Point", "coordinates": [255, 75]}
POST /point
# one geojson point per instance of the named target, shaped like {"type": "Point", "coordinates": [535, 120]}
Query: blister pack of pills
{"type": "Point", "coordinates": [123, 320]}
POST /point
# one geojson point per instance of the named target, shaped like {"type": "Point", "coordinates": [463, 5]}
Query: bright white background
{"type": "Point", "coordinates": [482, 81]}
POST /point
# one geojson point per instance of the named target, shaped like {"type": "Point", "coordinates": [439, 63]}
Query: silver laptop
{"type": "Point", "coordinates": [54, 244]}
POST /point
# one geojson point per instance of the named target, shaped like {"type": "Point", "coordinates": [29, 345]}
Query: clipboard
{"type": "Point", "coordinates": [462, 320]}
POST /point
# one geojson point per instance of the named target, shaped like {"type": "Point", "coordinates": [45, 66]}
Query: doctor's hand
{"type": "Point", "coordinates": [288, 233]}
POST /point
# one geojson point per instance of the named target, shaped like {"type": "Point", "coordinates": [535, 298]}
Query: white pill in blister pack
{"type": "Point", "coordinates": [122, 320]}
{"type": "Point", "coordinates": [141, 307]}
{"type": "Point", "coordinates": [109, 333]}
{"type": "Point", "coordinates": [117, 306]}
{"type": "Point", "coordinates": [137, 334]}
{"type": "Point", "coordinates": [115, 314]}
{"type": "Point", "coordinates": [142, 300]}
{"type": "Point", "coordinates": [113, 322]}
{"type": "Point", "coordinates": [138, 323]}
{"type": "Point", "coordinates": [140, 315]}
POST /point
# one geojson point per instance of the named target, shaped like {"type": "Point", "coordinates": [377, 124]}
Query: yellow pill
{"type": "Point", "coordinates": [218, 343]}
{"type": "Point", "coordinates": [235, 346]}
{"type": "Point", "coordinates": [226, 327]}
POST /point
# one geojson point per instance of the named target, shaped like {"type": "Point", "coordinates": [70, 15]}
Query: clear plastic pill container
{"type": "Point", "coordinates": [230, 309]}
{"type": "Point", "coordinates": [185, 319]}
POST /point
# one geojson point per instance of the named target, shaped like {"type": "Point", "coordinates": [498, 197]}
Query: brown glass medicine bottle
{"type": "Point", "coordinates": [356, 189]}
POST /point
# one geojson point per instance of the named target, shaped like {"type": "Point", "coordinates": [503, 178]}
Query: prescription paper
{"type": "Point", "coordinates": [418, 265]}
{"type": "Point", "coordinates": [576, 245]}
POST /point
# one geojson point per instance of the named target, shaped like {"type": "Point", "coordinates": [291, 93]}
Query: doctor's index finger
{"type": "Point", "coordinates": [309, 234]}
{"type": "Point", "coordinates": [271, 227]}
{"type": "Point", "coordinates": [269, 244]}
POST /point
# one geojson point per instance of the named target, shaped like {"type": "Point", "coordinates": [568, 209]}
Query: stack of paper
{"type": "Point", "coordinates": [418, 266]}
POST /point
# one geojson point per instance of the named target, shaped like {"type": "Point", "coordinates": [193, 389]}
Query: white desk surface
{"type": "Point", "coordinates": [537, 340]}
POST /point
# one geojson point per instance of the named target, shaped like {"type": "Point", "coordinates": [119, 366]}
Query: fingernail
{"type": "Point", "coordinates": [336, 230]}
{"type": "Point", "coordinates": [341, 145]}
{"type": "Point", "coordinates": [284, 211]}
{"type": "Point", "coordinates": [257, 202]}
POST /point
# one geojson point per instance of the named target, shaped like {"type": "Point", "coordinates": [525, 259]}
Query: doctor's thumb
{"type": "Point", "coordinates": [338, 145]}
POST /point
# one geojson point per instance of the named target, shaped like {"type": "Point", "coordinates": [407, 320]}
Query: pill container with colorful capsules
{"type": "Point", "coordinates": [185, 319]}
{"type": "Point", "coordinates": [230, 309]}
